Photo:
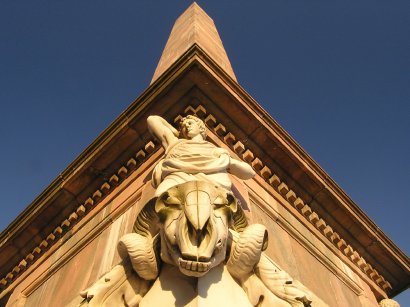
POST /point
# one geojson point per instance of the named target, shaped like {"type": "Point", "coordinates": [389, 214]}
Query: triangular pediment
{"type": "Point", "coordinates": [195, 81]}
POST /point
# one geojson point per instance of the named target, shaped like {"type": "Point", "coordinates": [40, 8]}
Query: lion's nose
{"type": "Point", "coordinates": [197, 238]}
{"type": "Point", "coordinates": [198, 209]}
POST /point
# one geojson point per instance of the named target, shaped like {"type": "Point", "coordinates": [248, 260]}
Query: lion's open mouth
{"type": "Point", "coordinates": [194, 266]}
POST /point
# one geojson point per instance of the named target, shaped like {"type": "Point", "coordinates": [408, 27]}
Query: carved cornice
{"type": "Point", "coordinates": [74, 217]}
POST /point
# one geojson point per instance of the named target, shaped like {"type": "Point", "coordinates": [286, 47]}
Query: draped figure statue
{"type": "Point", "coordinates": [189, 157]}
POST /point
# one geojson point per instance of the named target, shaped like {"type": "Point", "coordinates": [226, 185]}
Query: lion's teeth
{"type": "Point", "coordinates": [182, 263]}
{"type": "Point", "coordinates": [194, 266]}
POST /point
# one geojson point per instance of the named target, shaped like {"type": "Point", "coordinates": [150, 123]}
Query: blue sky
{"type": "Point", "coordinates": [334, 74]}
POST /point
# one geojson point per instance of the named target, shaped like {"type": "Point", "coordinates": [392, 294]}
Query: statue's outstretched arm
{"type": "Point", "coordinates": [241, 169]}
{"type": "Point", "coordinates": [162, 130]}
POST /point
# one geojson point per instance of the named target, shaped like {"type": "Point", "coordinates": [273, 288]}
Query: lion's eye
{"type": "Point", "coordinates": [164, 196]}
{"type": "Point", "coordinates": [220, 201]}
{"type": "Point", "coordinates": [171, 201]}
{"type": "Point", "coordinates": [167, 201]}
{"type": "Point", "coordinates": [230, 198]}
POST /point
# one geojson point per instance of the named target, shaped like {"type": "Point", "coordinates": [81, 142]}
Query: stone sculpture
{"type": "Point", "coordinates": [188, 157]}
{"type": "Point", "coordinates": [191, 244]}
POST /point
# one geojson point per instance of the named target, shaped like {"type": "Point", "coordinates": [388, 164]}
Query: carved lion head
{"type": "Point", "coordinates": [192, 220]}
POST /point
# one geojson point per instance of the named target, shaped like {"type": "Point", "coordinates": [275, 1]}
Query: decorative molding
{"type": "Point", "coordinates": [73, 218]}
{"type": "Point", "coordinates": [288, 194]}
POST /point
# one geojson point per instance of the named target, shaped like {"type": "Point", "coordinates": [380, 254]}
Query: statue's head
{"type": "Point", "coordinates": [191, 126]}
